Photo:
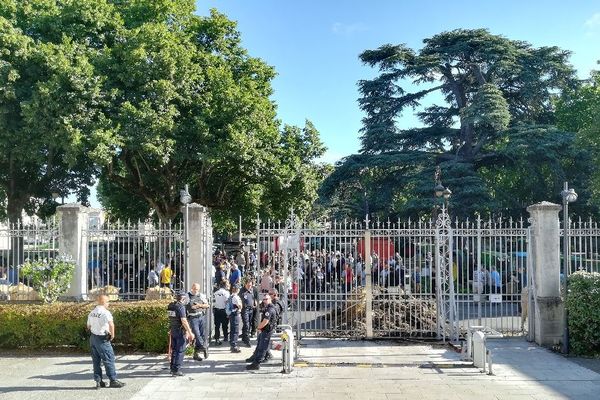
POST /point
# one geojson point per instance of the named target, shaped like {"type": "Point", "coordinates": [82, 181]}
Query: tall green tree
{"type": "Point", "coordinates": [48, 96]}
{"type": "Point", "coordinates": [486, 104]}
{"type": "Point", "coordinates": [146, 96]}
{"type": "Point", "coordinates": [189, 106]}
{"type": "Point", "coordinates": [579, 111]}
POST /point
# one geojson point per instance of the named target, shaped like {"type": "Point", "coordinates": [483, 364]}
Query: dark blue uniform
{"type": "Point", "coordinates": [176, 311]}
{"type": "Point", "coordinates": [264, 338]}
{"type": "Point", "coordinates": [247, 314]}
{"type": "Point", "coordinates": [279, 310]}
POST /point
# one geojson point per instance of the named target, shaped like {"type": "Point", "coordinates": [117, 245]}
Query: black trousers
{"type": "Point", "coordinates": [221, 322]}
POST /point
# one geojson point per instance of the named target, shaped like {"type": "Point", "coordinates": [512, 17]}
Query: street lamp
{"type": "Point", "coordinates": [568, 196]}
{"type": "Point", "coordinates": [439, 189]}
{"type": "Point", "coordinates": [185, 198]}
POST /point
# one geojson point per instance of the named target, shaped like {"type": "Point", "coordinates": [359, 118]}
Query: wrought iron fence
{"type": "Point", "coordinates": [584, 246]}
{"type": "Point", "coordinates": [124, 259]}
{"type": "Point", "coordinates": [322, 270]}
{"type": "Point", "coordinates": [20, 242]}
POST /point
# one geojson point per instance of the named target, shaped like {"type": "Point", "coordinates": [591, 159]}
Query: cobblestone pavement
{"type": "Point", "coordinates": [327, 370]}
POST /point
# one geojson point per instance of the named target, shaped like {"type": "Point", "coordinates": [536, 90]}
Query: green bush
{"type": "Point", "coordinates": [139, 325]}
{"type": "Point", "coordinates": [583, 304]}
{"type": "Point", "coordinates": [50, 278]}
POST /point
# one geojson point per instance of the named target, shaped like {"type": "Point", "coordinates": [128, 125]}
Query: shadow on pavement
{"type": "Point", "coordinates": [42, 388]}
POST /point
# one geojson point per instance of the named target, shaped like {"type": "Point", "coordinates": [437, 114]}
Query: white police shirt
{"type": "Point", "coordinates": [98, 320]}
{"type": "Point", "coordinates": [221, 297]}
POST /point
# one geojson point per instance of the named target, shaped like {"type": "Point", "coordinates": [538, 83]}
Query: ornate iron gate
{"type": "Point", "coordinates": [420, 279]}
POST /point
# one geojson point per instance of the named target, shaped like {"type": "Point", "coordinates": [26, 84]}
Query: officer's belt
{"type": "Point", "coordinates": [200, 314]}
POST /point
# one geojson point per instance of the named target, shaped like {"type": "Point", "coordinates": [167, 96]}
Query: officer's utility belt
{"type": "Point", "coordinates": [196, 315]}
{"type": "Point", "coordinates": [106, 336]}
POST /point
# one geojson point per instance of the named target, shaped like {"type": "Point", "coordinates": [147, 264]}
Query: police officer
{"type": "Point", "coordinates": [265, 329]}
{"type": "Point", "coordinates": [100, 324]}
{"type": "Point", "coordinates": [249, 303]}
{"type": "Point", "coordinates": [221, 319]}
{"type": "Point", "coordinates": [256, 315]}
{"type": "Point", "coordinates": [180, 331]}
{"type": "Point", "coordinates": [278, 304]}
{"type": "Point", "coordinates": [233, 310]}
{"type": "Point", "coordinates": [196, 311]}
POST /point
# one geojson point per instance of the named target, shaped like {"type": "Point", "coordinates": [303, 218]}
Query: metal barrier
{"type": "Point", "coordinates": [476, 347]}
{"type": "Point", "coordinates": [286, 345]}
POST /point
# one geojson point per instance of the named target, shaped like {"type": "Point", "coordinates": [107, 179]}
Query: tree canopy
{"type": "Point", "coordinates": [579, 111]}
{"type": "Point", "coordinates": [486, 106]}
{"type": "Point", "coordinates": [146, 96]}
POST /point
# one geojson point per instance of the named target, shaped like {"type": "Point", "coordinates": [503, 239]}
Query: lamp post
{"type": "Point", "coordinates": [55, 196]}
{"type": "Point", "coordinates": [568, 196]}
{"type": "Point", "coordinates": [186, 198]}
{"type": "Point", "coordinates": [439, 189]}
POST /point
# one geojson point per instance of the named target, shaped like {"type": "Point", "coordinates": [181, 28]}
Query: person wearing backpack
{"type": "Point", "coordinates": [233, 310]}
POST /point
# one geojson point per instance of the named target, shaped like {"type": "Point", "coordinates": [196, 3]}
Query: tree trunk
{"type": "Point", "coordinates": [14, 209]}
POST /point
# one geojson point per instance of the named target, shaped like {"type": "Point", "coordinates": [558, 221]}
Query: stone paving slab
{"type": "Point", "coordinates": [522, 371]}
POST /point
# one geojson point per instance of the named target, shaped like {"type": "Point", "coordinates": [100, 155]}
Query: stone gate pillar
{"type": "Point", "coordinates": [72, 243]}
{"type": "Point", "coordinates": [547, 307]}
{"type": "Point", "coordinates": [200, 247]}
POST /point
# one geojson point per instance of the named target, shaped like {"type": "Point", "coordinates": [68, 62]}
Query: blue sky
{"type": "Point", "coordinates": [314, 46]}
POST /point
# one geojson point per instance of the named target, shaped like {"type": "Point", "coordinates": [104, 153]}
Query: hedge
{"type": "Point", "coordinates": [583, 304]}
{"type": "Point", "coordinates": [139, 325]}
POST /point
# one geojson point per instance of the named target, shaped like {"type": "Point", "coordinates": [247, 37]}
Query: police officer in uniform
{"type": "Point", "coordinates": [180, 331]}
{"type": "Point", "coordinates": [278, 304]}
{"type": "Point", "coordinates": [100, 324]}
{"type": "Point", "coordinates": [196, 311]}
{"type": "Point", "coordinates": [234, 309]}
{"type": "Point", "coordinates": [249, 303]}
{"type": "Point", "coordinates": [265, 329]}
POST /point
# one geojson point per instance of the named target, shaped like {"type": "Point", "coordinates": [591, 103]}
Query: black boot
{"type": "Point", "coordinates": [253, 367]}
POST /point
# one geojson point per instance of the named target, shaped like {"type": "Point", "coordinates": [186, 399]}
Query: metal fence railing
{"type": "Point", "coordinates": [584, 246]}
{"type": "Point", "coordinates": [121, 259]}
{"type": "Point", "coordinates": [35, 240]}
{"type": "Point", "coordinates": [125, 259]}
{"type": "Point", "coordinates": [321, 267]}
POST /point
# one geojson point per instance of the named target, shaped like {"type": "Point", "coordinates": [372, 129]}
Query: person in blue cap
{"type": "Point", "coordinates": [180, 331]}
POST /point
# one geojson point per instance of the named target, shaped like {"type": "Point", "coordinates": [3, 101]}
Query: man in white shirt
{"type": "Point", "coordinates": [100, 324]}
{"type": "Point", "coordinates": [221, 320]}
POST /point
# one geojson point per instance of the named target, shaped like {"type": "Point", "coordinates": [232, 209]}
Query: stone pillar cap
{"type": "Point", "coordinates": [72, 206]}
{"type": "Point", "coordinates": [195, 207]}
{"type": "Point", "coordinates": [544, 205]}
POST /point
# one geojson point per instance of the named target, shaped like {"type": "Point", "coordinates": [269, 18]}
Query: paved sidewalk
{"type": "Point", "coordinates": [332, 370]}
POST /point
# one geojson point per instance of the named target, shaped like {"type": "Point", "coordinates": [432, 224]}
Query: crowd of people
{"type": "Point", "coordinates": [133, 275]}
{"type": "Point", "coordinates": [313, 272]}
